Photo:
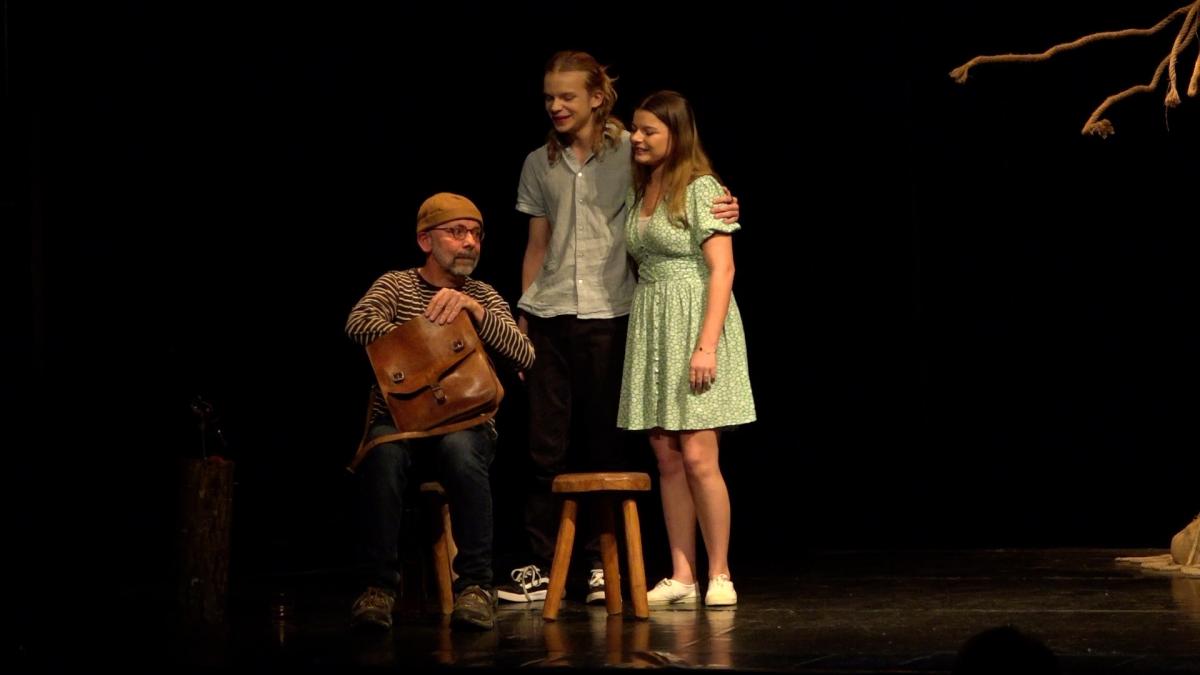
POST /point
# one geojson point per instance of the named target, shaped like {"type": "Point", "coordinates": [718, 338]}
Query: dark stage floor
{"type": "Point", "coordinates": [835, 612]}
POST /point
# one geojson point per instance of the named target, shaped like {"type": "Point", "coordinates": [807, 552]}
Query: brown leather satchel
{"type": "Point", "coordinates": [435, 380]}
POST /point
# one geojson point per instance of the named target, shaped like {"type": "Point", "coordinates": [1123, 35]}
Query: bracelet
{"type": "Point", "coordinates": [702, 350]}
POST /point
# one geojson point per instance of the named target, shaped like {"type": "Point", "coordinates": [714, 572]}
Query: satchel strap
{"type": "Point", "coordinates": [367, 444]}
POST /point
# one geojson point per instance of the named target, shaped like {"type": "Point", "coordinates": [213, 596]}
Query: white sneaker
{"type": "Point", "coordinates": [595, 592]}
{"type": "Point", "coordinates": [671, 592]}
{"type": "Point", "coordinates": [720, 592]}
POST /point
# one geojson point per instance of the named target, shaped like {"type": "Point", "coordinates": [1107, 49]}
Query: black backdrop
{"type": "Point", "coordinates": [967, 323]}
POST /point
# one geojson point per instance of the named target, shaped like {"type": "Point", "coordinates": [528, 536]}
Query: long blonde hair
{"type": "Point", "coordinates": [596, 78]}
{"type": "Point", "coordinates": [685, 160]}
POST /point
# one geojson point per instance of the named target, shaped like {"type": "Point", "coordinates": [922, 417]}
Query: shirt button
{"type": "Point", "coordinates": [580, 174]}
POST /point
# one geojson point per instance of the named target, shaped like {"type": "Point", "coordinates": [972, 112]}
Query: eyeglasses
{"type": "Point", "coordinates": [460, 233]}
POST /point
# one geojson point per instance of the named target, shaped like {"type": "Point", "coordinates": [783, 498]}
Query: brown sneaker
{"type": "Point", "coordinates": [373, 609]}
{"type": "Point", "coordinates": [474, 608]}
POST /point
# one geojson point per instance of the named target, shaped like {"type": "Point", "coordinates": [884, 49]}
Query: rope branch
{"type": "Point", "coordinates": [1187, 32]}
{"type": "Point", "coordinates": [1095, 125]}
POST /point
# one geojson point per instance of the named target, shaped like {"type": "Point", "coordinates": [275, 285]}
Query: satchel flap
{"type": "Point", "coordinates": [418, 352]}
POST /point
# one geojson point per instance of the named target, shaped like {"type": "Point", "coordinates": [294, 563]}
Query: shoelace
{"type": "Point", "coordinates": [597, 578]}
{"type": "Point", "coordinates": [527, 577]}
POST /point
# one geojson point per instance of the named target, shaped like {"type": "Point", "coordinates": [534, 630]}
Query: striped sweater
{"type": "Point", "coordinates": [397, 297]}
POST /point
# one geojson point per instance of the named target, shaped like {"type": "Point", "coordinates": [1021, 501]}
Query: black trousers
{"type": "Point", "coordinates": [574, 387]}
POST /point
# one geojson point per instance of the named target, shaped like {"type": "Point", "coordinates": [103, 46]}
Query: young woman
{"type": "Point", "coordinates": [685, 375]}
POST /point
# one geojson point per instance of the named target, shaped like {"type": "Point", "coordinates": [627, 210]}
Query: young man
{"type": "Point", "coordinates": [577, 288]}
{"type": "Point", "coordinates": [450, 232]}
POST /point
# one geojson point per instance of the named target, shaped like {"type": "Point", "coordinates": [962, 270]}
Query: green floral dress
{"type": "Point", "coordinates": [664, 324]}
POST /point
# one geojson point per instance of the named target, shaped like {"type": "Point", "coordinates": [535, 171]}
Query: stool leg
{"type": "Point", "coordinates": [637, 571]}
{"type": "Point", "coordinates": [609, 556]}
{"type": "Point", "coordinates": [562, 559]}
{"type": "Point", "coordinates": [442, 541]}
{"type": "Point", "coordinates": [451, 547]}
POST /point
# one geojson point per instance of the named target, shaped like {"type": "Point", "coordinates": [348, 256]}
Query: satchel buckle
{"type": "Point", "coordinates": [439, 394]}
{"type": "Point", "coordinates": [397, 377]}
{"type": "Point", "coordinates": [457, 345]}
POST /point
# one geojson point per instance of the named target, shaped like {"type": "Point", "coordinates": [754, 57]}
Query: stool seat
{"type": "Point", "coordinates": [601, 482]}
{"type": "Point", "coordinates": [602, 485]}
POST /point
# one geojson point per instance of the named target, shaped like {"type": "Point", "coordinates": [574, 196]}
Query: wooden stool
{"type": "Point", "coordinates": [442, 536]}
{"type": "Point", "coordinates": [604, 484]}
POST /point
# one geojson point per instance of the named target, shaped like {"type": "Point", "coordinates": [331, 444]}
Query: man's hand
{"type": "Point", "coordinates": [725, 208]}
{"type": "Point", "coordinates": [445, 306]}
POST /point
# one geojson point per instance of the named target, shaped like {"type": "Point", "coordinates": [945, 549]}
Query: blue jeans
{"type": "Point", "coordinates": [461, 461]}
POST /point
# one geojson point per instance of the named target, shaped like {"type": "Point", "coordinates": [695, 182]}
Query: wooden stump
{"type": "Point", "coordinates": [1185, 546]}
{"type": "Point", "coordinates": [205, 514]}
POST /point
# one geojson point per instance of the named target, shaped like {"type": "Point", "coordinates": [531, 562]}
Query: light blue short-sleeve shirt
{"type": "Point", "coordinates": [586, 270]}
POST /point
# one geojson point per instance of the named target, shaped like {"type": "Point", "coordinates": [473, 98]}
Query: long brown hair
{"type": "Point", "coordinates": [685, 160]}
{"type": "Point", "coordinates": [596, 78]}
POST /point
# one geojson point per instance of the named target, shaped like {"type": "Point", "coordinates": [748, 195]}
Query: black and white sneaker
{"type": "Point", "coordinates": [595, 594]}
{"type": "Point", "coordinates": [528, 585]}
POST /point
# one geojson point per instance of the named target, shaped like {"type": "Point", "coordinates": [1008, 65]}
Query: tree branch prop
{"type": "Point", "coordinates": [1096, 125]}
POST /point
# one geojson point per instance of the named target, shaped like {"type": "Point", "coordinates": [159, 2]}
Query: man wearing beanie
{"type": "Point", "coordinates": [450, 233]}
